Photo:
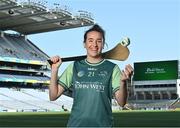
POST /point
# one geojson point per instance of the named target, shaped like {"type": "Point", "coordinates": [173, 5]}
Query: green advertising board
{"type": "Point", "coordinates": [157, 70]}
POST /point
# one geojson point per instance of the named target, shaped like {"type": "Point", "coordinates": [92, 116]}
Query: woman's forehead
{"type": "Point", "coordinates": [94, 34]}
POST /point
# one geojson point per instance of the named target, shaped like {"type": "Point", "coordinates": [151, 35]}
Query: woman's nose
{"type": "Point", "coordinates": [94, 43]}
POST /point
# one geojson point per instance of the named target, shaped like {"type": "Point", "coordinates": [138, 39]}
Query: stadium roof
{"type": "Point", "coordinates": [33, 17]}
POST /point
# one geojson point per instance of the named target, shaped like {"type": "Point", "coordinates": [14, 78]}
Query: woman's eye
{"type": "Point", "coordinates": [99, 41]}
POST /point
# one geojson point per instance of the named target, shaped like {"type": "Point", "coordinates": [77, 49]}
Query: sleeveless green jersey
{"type": "Point", "coordinates": [93, 86]}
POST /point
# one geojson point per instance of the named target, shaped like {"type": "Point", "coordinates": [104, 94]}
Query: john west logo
{"type": "Point", "coordinates": [90, 85]}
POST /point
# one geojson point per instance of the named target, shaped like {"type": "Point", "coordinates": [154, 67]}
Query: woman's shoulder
{"type": "Point", "coordinates": [110, 62]}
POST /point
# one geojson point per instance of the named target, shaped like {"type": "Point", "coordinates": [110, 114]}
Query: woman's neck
{"type": "Point", "coordinates": [94, 59]}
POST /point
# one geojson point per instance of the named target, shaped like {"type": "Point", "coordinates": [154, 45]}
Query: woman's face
{"type": "Point", "coordinates": [94, 44]}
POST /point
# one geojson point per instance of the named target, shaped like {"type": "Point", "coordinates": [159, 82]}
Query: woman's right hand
{"type": "Point", "coordinates": [56, 62]}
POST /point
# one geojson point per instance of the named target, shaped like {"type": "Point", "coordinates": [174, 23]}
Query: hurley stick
{"type": "Point", "coordinates": [120, 52]}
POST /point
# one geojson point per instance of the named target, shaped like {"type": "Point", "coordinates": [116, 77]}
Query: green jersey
{"type": "Point", "coordinates": [93, 86]}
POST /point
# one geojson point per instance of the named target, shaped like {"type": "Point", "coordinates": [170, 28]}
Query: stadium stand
{"type": "Point", "coordinates": [23, 67]}
{"type": "Point", "coordinates": [151, 104]}
{"type": "Point", "coordinates": [19, 66]}
{"type": "Point", "coordinates": [155, 84]}
{"type": "Point", "coordinates": [31, 100]}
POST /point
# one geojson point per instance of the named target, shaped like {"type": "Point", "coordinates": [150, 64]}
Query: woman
{"type": "Point", "coordinates": [94, 81]}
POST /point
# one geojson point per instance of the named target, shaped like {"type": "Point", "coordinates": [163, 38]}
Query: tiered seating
{"type": "Point", "coordinates": [149, 104]}
{"type": "Point", "coordinates": [63, 100]}
{"type": "Point", "coordinates": [19, 47]}
{"type": "Point", "coordinates": [31, 100]}
{"type": "Point", "coordinates": [21, 61]}
{"type": "Point", "coordinates": [23, 78]}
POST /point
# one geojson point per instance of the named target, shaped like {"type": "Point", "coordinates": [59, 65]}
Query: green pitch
{"type": "Point", "coordinates": [121, 119]}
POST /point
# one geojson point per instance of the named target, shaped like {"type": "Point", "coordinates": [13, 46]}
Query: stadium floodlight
{"type": "Point", "coordinates": [84, 15]}
{"type": "Point", "coordinates": [62, 9]}
{"type": "Point", "coordinates": [41, 4]}
{"type": "Point", "coordinates": [14, 1]}
{"type": "Point", "coordinates": [56, 4]}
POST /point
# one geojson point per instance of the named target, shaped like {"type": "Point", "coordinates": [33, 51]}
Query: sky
{"type": "Point", "coordinates": [153, 27]}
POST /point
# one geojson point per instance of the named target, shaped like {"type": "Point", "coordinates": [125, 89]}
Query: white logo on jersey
{"type": "Point", "coordinates": [90, 85]}
{"type": "Point", "coordinates": [80, 73]}
{"type": "Point", "coordinates": [92, 69]}
{"type": "Point", "coordinates": [103, 73]}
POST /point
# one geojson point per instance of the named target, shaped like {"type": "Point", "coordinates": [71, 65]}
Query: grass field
{"type": "Point", "coordinates": [121, 119]}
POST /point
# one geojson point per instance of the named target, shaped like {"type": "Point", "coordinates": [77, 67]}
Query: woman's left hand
{"type": "Point", "coordinates": [127, 73]}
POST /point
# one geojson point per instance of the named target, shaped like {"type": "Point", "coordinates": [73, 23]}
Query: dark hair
{"type": "Point", "coordinates": [96, 28]}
